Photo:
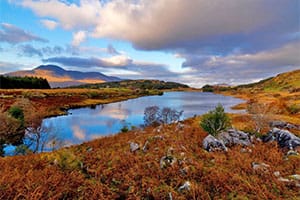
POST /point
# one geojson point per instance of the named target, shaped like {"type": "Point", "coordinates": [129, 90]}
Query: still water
{"type": "Point", "coordinates": [85, 124]}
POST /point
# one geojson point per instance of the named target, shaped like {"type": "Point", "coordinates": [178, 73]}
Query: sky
{"type": "Point", "coordinates": [195, 42]}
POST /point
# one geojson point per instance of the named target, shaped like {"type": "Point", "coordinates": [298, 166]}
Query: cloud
{"type": "Point", "coordinates": [69, 15]}
{"type": "Point", "coordinates": [111, 50]}
{"type": "Point", "coordinates": [9, 67]}
{"type": "Point", "coordinates": [114, 61]}
{"type": "Point", "coordinates": [30, 51]}
{"type": "Point", "coordinates": [50, 24]}
{"type": "Point", "coordinates": [78, 38]}
{"type": "Point", "coordinates": [78, 133]}
{"type": "Point", "coordinates": [119, 65]}
{"type": "Point", "coordinates": [202, 26]}
{"type": "Point", "coordinates": [241, 68]}
{"type": "Point", "coordinates": [13, 35]}
{"type": "Point", "coordinates": [198, 25]}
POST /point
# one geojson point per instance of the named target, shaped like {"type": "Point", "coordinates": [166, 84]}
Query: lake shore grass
{"type": "Point", "coordinates": [105, 168]}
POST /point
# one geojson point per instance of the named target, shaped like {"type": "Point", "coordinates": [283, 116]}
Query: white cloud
{"type": "Point", "coordinates": [78, 38]}
{"type": "Point", "coordinates": [78, 132]}
{"type": "Point", "coordinates": [70, 15]}
{"type": "Point", "coordinates": [50, 24]}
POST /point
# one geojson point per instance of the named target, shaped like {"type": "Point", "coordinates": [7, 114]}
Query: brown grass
{"type": "Point", "coordinates": [106, 169]}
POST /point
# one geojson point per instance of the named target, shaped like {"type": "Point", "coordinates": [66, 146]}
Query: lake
{"type": "Point", "coordinates": [84, 124]}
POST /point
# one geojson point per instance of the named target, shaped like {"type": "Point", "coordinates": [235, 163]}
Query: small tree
{"type": "Point", "coordinates": [215, 121]}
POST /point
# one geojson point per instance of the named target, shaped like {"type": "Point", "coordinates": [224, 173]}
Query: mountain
{"type": "Point", "coordinates": [59, 77]}
{"type": "Point", "coordinates": [289, 81]}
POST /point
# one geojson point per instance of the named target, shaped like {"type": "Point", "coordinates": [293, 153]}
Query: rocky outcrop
{"type": "Point", "coordinates": [283, 125]}
{"type": "Point", "coordinates": [284, 138]}
{"type": "Point", "coordinates": [233, 137]}
{"type": "Point", "coordinates": [210, 143]}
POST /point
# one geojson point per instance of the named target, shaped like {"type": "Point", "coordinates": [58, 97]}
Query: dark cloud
{"type": "Point", "coordinates": [30, 51]}
{"type": "Point", "coordinates": [111, 50]}
{"type": "Point", "coordinates": [242, 68]}
{"type": "Point", "coordinates": [13, 35]}
{"type": "Point", "coordinates": [120, 66]}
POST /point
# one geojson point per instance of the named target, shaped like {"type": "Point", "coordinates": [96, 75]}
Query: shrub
{"type": "Point", "coordinates": [215, 121]}
{"type": "Point", "coordinates": [16, 112]}
{"type": "Point", "coordinates": [154, 116]}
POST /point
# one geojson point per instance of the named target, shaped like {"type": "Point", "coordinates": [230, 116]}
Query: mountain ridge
{"type": "Point", "coordinates": [59, 77]}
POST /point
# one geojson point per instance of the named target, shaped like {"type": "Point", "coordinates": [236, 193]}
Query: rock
{"type": "Point", "coordinates": [134, 146]}
{"type": "Point", "coordinates": [292, 153]}
{"type": "Point", "coordinates": [145, 147]}
{"type": "Point", "coordinates": [185, 186]}
{"type": "Point", "coordinates": [295, 177]}
{"type": "Point", "coordinates": [167, 161]}
{"type": "Point", "coordinates": [233, 137]}
{"type": "Point", "coordinates": [158, 137]}
{"type": "Point", "coordinates": [284, 180]}
{"type": "Point", "coordinates": [284, 138]}
{"type": "Point", "coordinates": [184, 171]}
{"type": "Point", "coordinates": [277, 173]}
{"type": "Point", "coordinates": [260, 166]}
{"type": "Point", "coordinates": [170, 196]}
{"type": "Point", "coordinates": [283, 125]}
{"type": "Point", "coordinates": [210, 143]}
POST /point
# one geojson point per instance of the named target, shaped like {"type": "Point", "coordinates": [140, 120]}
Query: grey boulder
{"type": "Point", "coordinates": [210, 143]}
{"type": "Point", "coordinates": [233, 137]}
{"type": "Point", "coordinates": [284, 138]}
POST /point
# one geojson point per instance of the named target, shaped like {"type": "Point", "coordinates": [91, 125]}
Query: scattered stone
{"type": "Point", "coordinates": [170, 151]}
{"type": "Point", "coordinates": [167, 161]}
{"type": "Point", "coordinates": [179, 127]}
{"type": "Point", "coordinates": [170, 196]}
{"type": "Point", "coordinates": [184, 171]}
{"type": "Point", "coordinates": [284, 138]}
{"type": "Point", "coordinates": [277, 173]}
{"type": "Point", "coordinates": [233, 137]}
{"type": "Point", "coordinates": [292, 153]}
{"type": "Point", "coordinates": [295, 177]}
{"type": "Point", "coordinates": [158, 137]}
{"type": "Point", "coordinates": [260, 166]}
{"type": "Point", "coordinates": [185, 186]}
{"type": "Point", "coordinates": [89, 149]}
{"type": "Point", "coordinates": [134, 146]}
{"type": "Point", "coordinates": [145, 147]}
{"type": "Point", "coordinates": [246, 150]}
{"type": "Point", "coordinates": [210, 143]}
{"type": "Point", "coordinates": [284, 180]}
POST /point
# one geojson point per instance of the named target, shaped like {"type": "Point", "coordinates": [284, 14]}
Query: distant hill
{"type": "Point", "coordinates": [58, 77]}
{"type": "Point", "coordinates": [289, 81]}
{"type": "Point", "coordinates": [137, 84]}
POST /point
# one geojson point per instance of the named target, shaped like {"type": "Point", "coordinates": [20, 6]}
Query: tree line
{"type": "Point", "coordinates": [9, 82]}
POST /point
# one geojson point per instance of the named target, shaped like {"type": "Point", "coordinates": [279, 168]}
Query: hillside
{"type": "Point", "coordinates": [138, 84]}
{"type": "Point", "coordinates": [289, 81]}
{"type": "Point", "coordinates": [58, 77]}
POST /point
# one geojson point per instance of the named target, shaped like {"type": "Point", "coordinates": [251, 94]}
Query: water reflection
{"type": "Point", "coordinates": [86, 124]}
